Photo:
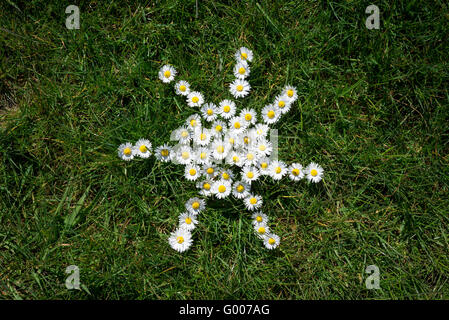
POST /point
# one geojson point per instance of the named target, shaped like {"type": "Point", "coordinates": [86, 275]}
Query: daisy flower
{"type": "Point", "coordinates": [247, 138]}
{"type": "Point", "coordinates": [235, 158]}
{"type": "Point", "coordinates": [202, 155]}
{"type": "Point", "coordinates": [249, 116]}
{"type": "Point", "coordinates": [163, 153]}
{"type": "Point", "coordinates": [195, 205]}
{"type": "Point", "coordinates": [264, 166]}
{"type": "Point", "coordinates": [185, 155]}
{"type": "Point", "coordinates": [250, 174]}
{"type": "Point", "coordinates": [202, 137]}
{"type": "Point", "coordinates": [187, 221]}
{"type": "Point", "coordinates": [271, 241]}
{"type": "Point", "coordinates": [241, 70]}
{"type": "Point", "coordinates": [231, 139]}
{"type": "Point", "coordinates": [125, 151]}
{"type": "Point", "coordinates": [296, 172]}
{"type": "Point", "coordinates": [219, 149]}
{"type": "Point", "coordinates": [244, 54]}
{"type": "Point", "coordinates": [183, 135]}
{"type": "Point", "coordinates": [210, 171]}
{"type": "Point", "coordinates": [251, 157]}
{"type": "Point", "coordinates": [226, 175]}
{"type": "Point", "coordinates": [237, 125]}
{"type": "Point", "coordinates": [259, 217]}
{"type": "Point", "coordinates": [205, 187]}
{"type": "Point", "coordinates": [283, 103]}
{"type": "Point", "coordinates": [261, 229]}
{"type": "Point", "coordinates": [270, 114]}
{"type": "Point", "coordinates": [277, 170]}
{"type": "Point", "coordinates": [253, 202]}
{"type": "Point", "coordinates": [209, 112]}
{"type": "Point", "coordinates": [261, 130]}
{"type": "Point", "coordinates": [219, 128]}
{"type": "Point", "coordinates": [167, 74]}
{"type": "Point", "coordinates": [193, 122]}
{"type": "Point", "coordinates": [191, 172]}
{"type": "Point", "coordinates": [182, 88]}
{"type": "Point", "coordinates": [264, 147]}
{"type": "Point", "coordinates": [239, 88]}
{"type": "Point", "coordinates": [142, 148]}
{"type": "Point", "coordinates": [221, 189]}
{"type": "Point", "coordinates": [291, 93]}
{"type": "Point", "coordinates": [180, 240]}
{"type": "Point", "coordinates": [314, 172]}
{"type": "Point", "coordinates": [195, 99]}
{"type": "Point", "coordinates": [240, 189]}
{"type": "Point", "coordinates": [227, 109]}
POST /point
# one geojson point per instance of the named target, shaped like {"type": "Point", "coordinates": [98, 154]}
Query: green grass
{"type": "Point", "coordinates": [372, 110]}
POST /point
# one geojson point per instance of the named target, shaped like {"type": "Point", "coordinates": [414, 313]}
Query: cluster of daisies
{"type": "Point", "coordinates": [225, 151]}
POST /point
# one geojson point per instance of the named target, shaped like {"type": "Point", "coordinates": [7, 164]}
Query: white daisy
{"type": "Point", "coordinates": [210, 171]}
{"type": "Point", "coordinates": [187, 221]}
{"type": "Point", "coordinates": [226, 109]}
{"type": "Point", "coordinates": [270, 114]}
{"type": "Point", "coordinates": [277, 170]}
{"type": "Point", "coordinates": [251, 157]}
{"type": "Point", "coordinates": [183, 135]}
{"type": "Point", "coordinates": [240, 189]}
{"type": "Point", "coordinates": [163, 153]}
{"type": "Point", "coordinates": [220, 149]}
{"type": "Point", "coordinates": [202, 155]}
{"type": "Point", "coordinates": [249, 116]}
{"type": "Point", "coordinates": [239, 88]}
{"type": "Point", "coordinates": [264, 166]}
{"type": "Point", "coordinates": [283, 103]}
{"type": "Point", "coordinates": [261, 130]}
{"type": "Point", "coordinates": [261, 229]}
{"type": "Point", "coordinates": [232, 139]}
{"type": "Point", "coordinates": [291, 93]}
{"type": "Point", "coordinates": [247, 139]}
{"type": "Point", "coordinates": [202, 137]}
{"type": "Point", "coordinates": [193, 122]}
{"type": "Point", "coordinates": [237, 125]}
{"type": "Point", "coordinates": [264, 147]}
{"type": "Point", "coordinates": [244, 54]}
{"type": "Point", "coordinates": [182, 88]}
{"type": "Point", "coordinates": [167, 74]}
{"type": "Point", "coordinates": [295, 172]}
{"type": "Point", "coordinates": [226, 174]}
{"type": "Point", "coordinates": [184, 155]}
{"type": "Point", "coordinates": [209, 112]}
{"type": "Point", "coordinates": [142, 148]}
{"type": "Point", "coordinates": [125, 151]}
{"type": "Point", "coordinates": [259, 217]}
{"type": "Point", "coordinates": [219, 128]}
{"type": "Point", "coordinates": [195, 205]}
{"type": "Point", "coordinates": [221, 189]}
{"type": "Point", "coordinates": [235, 158]}
{"type": "Point", "coordinates": [180, 239]}
{"type": "Point", "coordinates": [250, 174]}
{"type": "Point", "coordinates": [314, 172]}
{"type": "Point", "coordinates": [271, 241]}
{"type": "Point", "coordinates": [253, 202]}
{"type": "Point", "coordinates": [192, 172]}
{"type": "Point", "coordinates": [205, 187]}
{"type": "Point", "coordinates": [195, 99]}
{"type": "Point", "coordinates": [241, 70]}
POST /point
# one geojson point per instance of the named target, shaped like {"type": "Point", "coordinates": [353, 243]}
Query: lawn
{"type": "Point", "coordinates": [373, 111]}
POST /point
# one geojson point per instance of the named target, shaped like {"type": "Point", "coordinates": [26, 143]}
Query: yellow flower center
{"type": "Point", "coordinates": [231, 140]}
{"type": "Point", "coordinates": [193, 122]}
{"type": "Point", "coordinates": [226, 109]}
{"type": "Point", "coordinates": [242, 70]}
{"type": "Point", "coordinates": [295, 172]}
{"type": "Point", "coordinates": [262, 147]}
{"type": "Point", "coordinates": [240, 188]}
{"type": "Point", "coordinates": [164, 152]}
{"type": "Point", "coordinates": [210, 170]}
{"type": "Point", "coordinates": [278, 169]}
{"type": "Point", "coordinates": [182, 88]}
{"type": "Point", "coordinates": [290, 93]}
{"type": "Point", "coordinates": [195, 205]}
{"type": "Point", "coordinates": [264, 165]}
{"type": "Point", "coordinates": [271, 114]}
{"type": "Point", "coordinates": [210, 112]}
{"type": "Point", "coordinates": [220, 149]}
{"type": "Point", "coordinates": [221, 189]}
{"type": "Point", "coordinates": [314, 172]}
{"type": "Point", "coordinates": [184, 134]}
{"type": "Point", "coordinates": [143, 148]}
{"type": "Point", "coordinates": [203, 155]}
{"type": "Point", "coordinates": [225, 175]}
{"type": "Point", "coordinates": [250, 156]}
{"type": "Point", "coordinates": [185, 155]}
{"type": "Point", "coordinates": [237, 125]}
{"type": "Point", "coordinates": [203, 136]}
{"type": "Point", "coordinates": [206, 186]}
{"type": "Point", "coordinates": [253, 200]}
{"type": "Point", "coordinates": [195, 99]}
{"type": "Point", "coordinates": [167, 74]}
{"type": "Point", "coordinates": [127, 151]}
{"type": "Point", "coordinates": [246, 140]}
{"type": "Point", "coordinates": [271, 241]}
{"type": "Point", "coordinates": [235, 159]}
{"type": "Point", "coordinates": [180, 239]}
{"type": "Point", "coordinates": [188, 220]}
{"type": "Point", "coordinates": [261, 230]}
{"type": "Point", "coordinates": [259, 219]}
{"type": "Point", "coordinates": [281, 104]}
{"type": "Point", "coordinates": [218, 128]}
{"type": "Point", "coordinates": [239, 88]}
{"type": "Point", "coordinates": [244, 55]}
{"type": "Point", "coordinates": [248, 116]}
{"type": "Point", "coordinates": [192, 172]}
{"type": "Point", "coordinates": [250, 174]}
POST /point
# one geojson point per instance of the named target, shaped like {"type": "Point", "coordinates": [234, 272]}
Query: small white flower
{"type": "Point", "coordinates": [250, 174]}
{"type": "Point", "coordinates": [195, 99]}
{"type": "Point", "coordinates": [195, 205]}
{"type": "Point", "coordinates": [261, 130]}
{"type": "Point", "coordinates": [295, 172]}
{"type": "Point", "coordinates": [183, 135]}
{"type": "Point", "coordinates": [187, 221]}
{"type": "Point", "coordinates": [277, 170]}
{"type": "Point", "coordinates": [253, 202]}
{"type": "Point", "coordinates": [210, 171]}
{"type": "Point", "coordinates": [167, 74]}
{"type": "Point", "coordinates": [251, 157]}
{"type": "Point", "coordinates": [193, 122]}
{"type": "Point", "coordinates": [226, 109]}
{"type": "Point", "coordinates": [291, 93]}
{"type": "Point", "coordinates": [163, 153]}
{"type": "Point", "coordinates": [209, 112]}
{"type": "Point", "coordinates": [192, 172]}
{"type": "Point", "coordinates": [259, 217]}
{"type": "Point", "coordinates": [226, 174]}
{"type": "Point", "coordinates": [125, 151]}
{"type": "Point", "coordinates": [202, 137]}
{"type": "Point", "coordinates": [270, 114]}
{"type": "Point", "coordinates": [202, 155]}
{"type": "Point", "coordinates": [240, 189]}
{"type": "Point", "coordinates": [264, 166]}
{"type": "Point", "coordinates": [283, 103]}
{"type": "Point", "coordinates": [219, 128]}
{"type": "Point", "coordinates": [241, 70]}
{"type": "Point", "coordinates": [237, 125]}
{"type": "Point", "coordinates": [142, 148]}
{"type": "Point", "coordinates": [180, 239]}
{"type": "Point", "coordinates": [235, 158]}
{"type": "Point", "coordinates": [314, 172]}
{"type": "Point", "coordinates": [271, 241]}
{"type": "Point", "coordinates": [249, 116]}
{"type": "Point", "coordinates": [220, 149]}
{"type": "Point", "coordinates": [264, 147]}
{"type": "Point", "coordinates": [261, 229]}
{"type": "Point", "coordinates": [239, 88]}
{"type": "Point", "coordinates": [244, 54]}
{"type": "Point", "coordinates": [221, 189]}
{"type": "Point", "coordinates": [182, 88]}
{"type": "Point", "coordinates": [185, 155]}
{"type": "Point", "coordinates": [205, 187]}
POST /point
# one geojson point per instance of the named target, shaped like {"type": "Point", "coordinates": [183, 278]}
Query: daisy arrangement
{"type": "Point", "coordinates": [225, 151]}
